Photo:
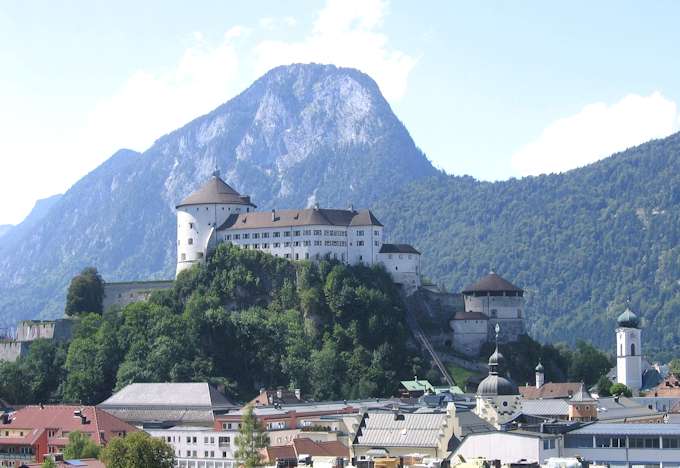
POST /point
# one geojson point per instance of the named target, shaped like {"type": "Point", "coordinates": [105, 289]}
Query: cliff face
{"type": "Point", "coordinates": [300, 134]}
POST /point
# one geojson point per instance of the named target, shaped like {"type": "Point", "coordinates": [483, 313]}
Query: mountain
{"type": "Point", "coordinates": [5, 228]}
{"type": "Point", "coordinates": [15, 234]}
{"type": "Point", "coordinates": [581, 243]}
{"type": "Point", "coordinates": [298, 135]}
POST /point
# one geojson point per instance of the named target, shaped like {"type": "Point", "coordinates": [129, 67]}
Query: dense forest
{"type": "Point", "coordinates": [247, 320]}
{"type": "Point", "coordinates": [581, 243]}
{"type": "Point", "coordinates": [243, 321]}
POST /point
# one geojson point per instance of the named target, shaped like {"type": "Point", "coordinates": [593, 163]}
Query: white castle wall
{"type": "Point", "coordinates": [11, 350]}
{"type": "Point", "coordinates": [124, 293]}
{"type": "Point", "coordinates": [195, 225]}
{"type": "Point", "coordinates": [404, 267]}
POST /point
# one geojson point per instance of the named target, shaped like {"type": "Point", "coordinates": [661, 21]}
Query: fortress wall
{"type": "Point", "coordinates": [10, 350]}
{"type": "Point", "coordinates": [124, 293]}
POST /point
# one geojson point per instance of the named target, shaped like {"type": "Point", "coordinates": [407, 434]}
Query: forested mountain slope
{"type": "Point", "coordinates": [581, 242]}
{"type": "Point", "coordinates": [298, 135]}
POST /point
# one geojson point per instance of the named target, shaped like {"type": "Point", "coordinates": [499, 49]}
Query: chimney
{"type": "Point", "coordinates": [298, 394]}
{"type": "Point", "coordinates": [273, 215]}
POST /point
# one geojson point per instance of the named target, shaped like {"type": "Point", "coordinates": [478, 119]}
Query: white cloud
{"type": "Point", "coordinates": [345, 33]}
{"type": "Point", "coordinates": [152, 102]}
{"type": "Point", "coordinates": [598, 131]}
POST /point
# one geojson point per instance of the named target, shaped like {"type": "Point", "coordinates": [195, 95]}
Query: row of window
{"type": "Point", "coordinates": [620, 442]}
{"type": "Point", "coordinates": [206, 454]}
{"type": "Point", "coordinates": [305, 232]}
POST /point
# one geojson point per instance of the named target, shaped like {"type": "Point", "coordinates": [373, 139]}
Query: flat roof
{"type": "Point", "coordinates": [630, 429]}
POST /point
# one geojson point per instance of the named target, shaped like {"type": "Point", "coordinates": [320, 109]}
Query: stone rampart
{"type": "Point", "coordinates": [126, 292]}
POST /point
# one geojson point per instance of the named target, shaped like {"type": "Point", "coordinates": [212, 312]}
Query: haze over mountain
{"type": "Point", "coordinates": [580, 242]}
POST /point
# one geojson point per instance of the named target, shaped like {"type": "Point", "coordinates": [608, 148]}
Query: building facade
{"type": "Point", "coordinates": [216, 213]}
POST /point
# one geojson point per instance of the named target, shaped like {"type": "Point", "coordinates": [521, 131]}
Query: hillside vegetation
{"type": "Point", "coordinates": [580, 243]}
{"type": "Point", "coordinates": [245, 320]}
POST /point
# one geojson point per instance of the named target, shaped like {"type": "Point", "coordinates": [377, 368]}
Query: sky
{"type": "Point", "coordinates": [489, 89]}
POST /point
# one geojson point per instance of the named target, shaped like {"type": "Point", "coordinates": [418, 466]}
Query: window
{"type": "Point", "coordinates": [277, 245]}
{"type": "Point", "coordinates": [306, 255]}
{"type": "Point", "coordinates": [494, 312]}
{"type": "Point", "coordinates": [360, 233]}
{"type": "Point", "coordinates": [188, 440]}
{"type": "Point", "coordinates": [191, 225]}
{"type": "Point", "coordinates": [286, 255]}
{"type": "Point", "coordinates": [246, 235]}
{"type": "Point", "coordinates": [199, 254]}
{"type": "Point", "coordinates": [256, 246]}
{"type": "Point", "coordinates": [376, 233]}
{"type": "Point", "coordinates": [276, 234]}
{"type": "Point", "coordinates": [194, 440]}
{"type": "Point", "coordinates": [297, 256]}
{"type": "Point", "coordinates": [296, 244]}
{"type": "Point", "coordinates": [297, 233]}
{"type": "Point", "coordinates": [286, 233]}
{"type": "Point", "coordinates": [549, 444]}
{"type": "Point", "coordinates": [307, 232]}
{"type": "Point", "coordinates": [237, 236]}
{"type": "Point", "coordinates": [632, 349]}
{"type": "Point", "coordinates": [360, 243]}
{"type": "Point", "coordinates": [265, 246]}
{"type": "Point", "coordinates": [306, 243]}
{"type": "Point", "coordinates": [317, 232]}
{"type": "Point", "coordinates": [228, 237]}
{"type": "Point", "coordinates": [212, 440]}
{"type": "Point", "coordinates": [317, 243]}
{"type": "Point", "coordinates": [183, 256]}
{"type": "Point", "coordinates": [376, 244]}
{"type": "Point", "coordinates": [190, 241]}
{"type": "Point", "coordinates": [578, 441]}
{"type": "Point", "coordinates": [265, 235]}
{"type": "Point", "coordinates": [603, 442]}
{"type": "Point", "coordinates": [619, 442]}
{"type": "Point", "coordinates": [256, 235]}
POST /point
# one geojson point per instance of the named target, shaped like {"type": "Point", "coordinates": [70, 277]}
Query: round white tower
{"type": "Point", "coordinates": [629, 351]}
{"type": "Point", "coordinates": [200, 214]}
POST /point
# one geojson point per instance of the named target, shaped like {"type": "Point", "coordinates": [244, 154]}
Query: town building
{"type": "Point", "coordinates": [398, 434]}
{"type": "Point", "coordinates": [509, 447]}
{"type": "Point", "coordinates": [168, 404]}
{"type": "Point", "coordinates": [490, 301]}
{"type": "Point", "coordinates": [280, 396]}
{"type": "Point", "coordinates": [217, 213]}
{"type": "Point", "coordinates": [34, 432]}
{"type": "Point", "coordinates": [318, 452]}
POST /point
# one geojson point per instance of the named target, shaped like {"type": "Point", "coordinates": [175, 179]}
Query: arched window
{"type": "Point", "coordinates": [632, 349]}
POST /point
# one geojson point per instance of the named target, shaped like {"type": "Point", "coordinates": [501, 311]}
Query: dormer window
{"type": "Point", "coordinates": [191, 241]}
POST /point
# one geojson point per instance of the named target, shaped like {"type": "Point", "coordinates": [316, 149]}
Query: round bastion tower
{"type": "Point", "coordinates": [200, 214]}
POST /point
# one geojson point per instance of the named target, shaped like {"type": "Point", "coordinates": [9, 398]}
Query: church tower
{"type": "Point", "coordinates": [540, 375]}
{"type": "Point", "coordinates": [629, 351]}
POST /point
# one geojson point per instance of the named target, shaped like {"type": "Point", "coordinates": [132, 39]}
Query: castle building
{"type": "Point", "coordinates": [217, 213]}
{"type": "Point", "coordinates": [498, 400]}
{"type": "Point", "coordinates": [629, 351]}
{"type": "Point", "coordinates": [490, 301]}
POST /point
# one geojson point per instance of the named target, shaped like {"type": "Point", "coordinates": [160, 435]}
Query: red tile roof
{"type": "Point", "coordinates": [320, 449]}
{"type": "Point", "coordinates": [61, 418]}
{"type": "Point", "coordinates": [550, 390]}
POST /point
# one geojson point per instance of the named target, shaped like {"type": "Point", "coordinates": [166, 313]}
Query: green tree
{"type": "Point", "coordinates": [619, 389]}
{"type": "Point", "coordinates": [137, 450]}
{"type": "Point", "coordinates": [588, 364]}
{"type": "Point", "coordinates": [48, 463]}
{"type": "Point", "coordinates": [674, 366]}
{"type": "Point", "coordinates": [85, 293]}
{"type": "Point", "coordinates": [80, 445]}
{"type": "Point", "coordinates": [603, 386]}
{"type": "Point", "coordinates": [250, 440]}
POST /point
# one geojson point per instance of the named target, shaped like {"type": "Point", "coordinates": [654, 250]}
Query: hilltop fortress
{"type": "Point", "coordinates": [217, 213]}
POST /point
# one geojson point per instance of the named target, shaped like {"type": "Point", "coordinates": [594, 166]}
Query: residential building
{"type": "Point", "coordinates": [302, 446]}
{"type": "Point", "coordinates": [199, 446]}
{"type": "Point", "coordinates": [33, 432]}
{"type": "Point", "coordinates": [280, 396]}
{"type": "Point", "coordinates": [509, 447]}
{"type": "Point", "coordinates": [550, 390]}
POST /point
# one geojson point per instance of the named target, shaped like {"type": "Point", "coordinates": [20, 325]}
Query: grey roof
{"type": "Point", "coordinates": [398, 248]}
{"type": "Point", "coordinates": [496, 385]}
{"type": "Point", "coordinates": [168, 395]}
{"type": "Point", "coordinates": [462, 315]}
{"type": "Point", "coordinates": [215, 191]}
{"type": "Point", "coordinates": [628, 429]}
{"type": "Point", "coordinates": [539, 367]}
{"type": "Point", "coordinates": [151, 415]}
{"type": "Point", "coordinates": [304, 217]}
{"type": "Point", "coordinates": [628, 319]}
{"type": "Point", "coordinates": [470, 423]}
{"type": "Point", "coordinates": [550, 407]}
{"type": "Point", "coordinates": [492, 283]}
{"type": "Point", "coordinates": [581, 396]}
{"type": "Point", "coordinates": [414, 430]}
{"type": "Point", "coordinates": [624, 408]}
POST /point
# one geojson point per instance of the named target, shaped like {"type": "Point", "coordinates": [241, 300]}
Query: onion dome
{"type": "Point", "coordinates": [539, 368]}
{"type": "Point", "coordinates": [495, 385]}
{"type": "Point", "coordinates": [496, 360]}
{"type": "Point", "coordinates": [628, 319]}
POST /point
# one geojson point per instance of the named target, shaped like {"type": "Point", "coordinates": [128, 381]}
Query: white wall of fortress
{"type": "Point", "coordinates": [126, 292]}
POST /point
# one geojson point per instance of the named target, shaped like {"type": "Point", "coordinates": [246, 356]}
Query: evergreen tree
{"type": "Point", "coordinates": [603, 386]}
{"type": "Point", "coordinates": [85, 293]}
{"type": "Point", "coordinates": [619, 389]}
{"type": "Point", "coordinates": [250, 440]}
